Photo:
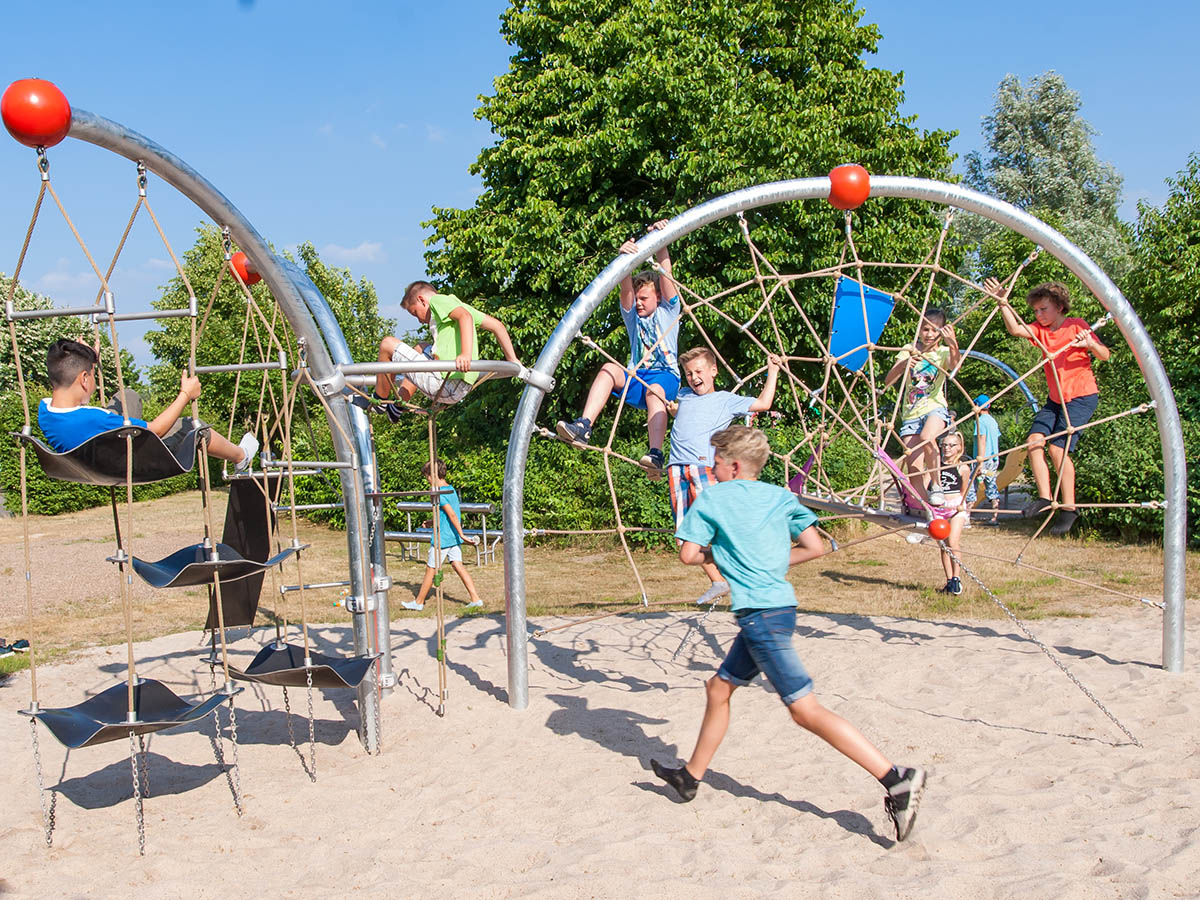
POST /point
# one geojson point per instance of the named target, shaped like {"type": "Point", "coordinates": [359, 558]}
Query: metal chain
{"type": "Point", "coordinates": [145, 765]}
{"type": "Point", "coordinates": [1053, 657]}
{"type": "Point", "coordinates": [312, 730]}
{"type": "Point", "coordinates": [287, 715]}
{"type": "Point", "coordinates": [47, 812]}
{"type": "Point", "coordinates": [137, 795]}
{"type": "Point", "coordinates": [236, 778]}
{"type": "Point", "coordinates": [378, 733]}
{"type": "Point", "coordinates": [695, 626]}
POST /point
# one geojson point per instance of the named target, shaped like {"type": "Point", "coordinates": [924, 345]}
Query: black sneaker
{"type": "Point", "coordinates": [577, 432]}
{"type": "Point", "coordinates": [947, 588]}
{"type": "Point", "coordinates": [1036, 507]}
{"type": "Point", "coordinates": [20, 646]}
{"type": "Point", "coordinates": [902, 801]}
{"type": "Point", "coordinates": [653, 463]}
{"type": "Point", "coordinates": [5, 650]}
{"type": "Point", "coordinates": [1064, 521]}
{"type": "Point", "coordinates": [955, 586]}
{"type": "Point", "coordinates": [681, 779]}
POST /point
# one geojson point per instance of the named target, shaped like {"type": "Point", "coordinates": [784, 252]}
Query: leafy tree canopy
{"type": "Point", "coordinates": [614, 114]}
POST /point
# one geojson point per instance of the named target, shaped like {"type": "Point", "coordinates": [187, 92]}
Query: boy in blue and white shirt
{"type": "Point", "coordinates": [451, 537]}
{"type": "Point", "coordinates": [702, 412]}
{"type": "Point", "coordinates": [653, 326]}
{"type": "Point", "coordinates": [755, 532]}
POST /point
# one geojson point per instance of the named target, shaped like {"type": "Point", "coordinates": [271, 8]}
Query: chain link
{"type": "Point", "coordinates": [1053, 657]}
{"type": "Point", "coordinates": [47, 811]}
{"type": "Point", "coordinates": [287, 715]}
{"type": "Point", "coordinates": [145, 766]}
{"type": "Point", "coordinates": [378, 697]}
{"type": "Point", "coordinates": [235, 772]}
{"type": "Point", "coordinates": [312, 730]}
{"type": "Point", "coordinates": [137, 794]}
{"type": "Point", "coordinates": [695, 626]}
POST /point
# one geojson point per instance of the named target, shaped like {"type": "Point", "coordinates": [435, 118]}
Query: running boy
{"type": "Point", "coordinates": [67, 420]}
{"type": "Point", "coordinates": [924, 414]}
{"type": "Point", "coordinates": [453, 325]}
{"type": "Point", "coordinates": [952, 475]}
{"type": "Point", "coordinates": [703, 411]}
{"type": "Point", "coordinates": [987, 457]}
{"type": "Point", "coordinates": [451, 538]}
{"type": "Point", "coordinates": [1068, 346]}
{"type": "Point", "coordinates": [653, 327]}
{"type": "Point", "coordinates": [747, 527]}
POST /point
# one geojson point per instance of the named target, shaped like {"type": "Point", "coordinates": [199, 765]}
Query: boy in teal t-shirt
{"type": "Point", "coordinates": [453, 325]}
{"type": "Point", "coordinates": [450, 538]}
{"type": "Point", "coordinates": [754, 532]}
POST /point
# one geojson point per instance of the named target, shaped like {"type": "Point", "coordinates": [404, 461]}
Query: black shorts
{"type": "Point", "coordinates": [1052, 419]}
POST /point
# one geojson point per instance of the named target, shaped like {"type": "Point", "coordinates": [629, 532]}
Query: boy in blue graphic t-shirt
{"type": "Point", "coordinates": [450, 539]}
{"type": "Point", "coordinates": [754, 532]}
{"type": "Point", "coordinates": [650, 310]}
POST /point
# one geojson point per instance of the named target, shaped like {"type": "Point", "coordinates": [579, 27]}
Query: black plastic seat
{"type": "Point", "coordinates": [101, 459]}
{"type": "Point", "coordinates": [283, 666]}
{"type": "Point", "coordinates": [105, 717]}
{"type": "Point", "coordinates": [191, 566]}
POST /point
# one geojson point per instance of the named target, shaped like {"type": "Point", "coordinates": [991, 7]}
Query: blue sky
{"type": "Point", "coordinates": [343, 124]}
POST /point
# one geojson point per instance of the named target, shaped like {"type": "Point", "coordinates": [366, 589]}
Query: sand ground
{"type": "Point", "coordinates": [1033, 792]}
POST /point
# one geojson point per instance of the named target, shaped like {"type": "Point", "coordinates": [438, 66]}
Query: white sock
{"type": "Point", "coordinates": [249, 445]}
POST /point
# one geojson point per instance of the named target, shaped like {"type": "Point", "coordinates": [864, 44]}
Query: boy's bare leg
{"type": "Point", "coordinates": [1037, 464]}
{"type": "Point", "coordinates": [1066, 471]}
{"type": "Point", "coordinates": [717, 692]}
{"type": "Point", "coordinates": [222, 448]}
{"type": "Point", "coordinates": [713, 573]}
{"type": "Point", "coordinates": [839, 734]}
{"type": "Point", "coordinates": [461, 571]}
{"type": "Point", "coordinates": [656, 412]}
{"type": "Point", "coordinates": [426, 584]}
{"type": "Point", "coordinates": [609, 378]}
{"type": "Point", "coordinates": [383, 383]}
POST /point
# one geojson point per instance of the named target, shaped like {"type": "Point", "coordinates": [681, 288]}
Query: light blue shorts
{"type": "Point", "coordinates": [910, 427]}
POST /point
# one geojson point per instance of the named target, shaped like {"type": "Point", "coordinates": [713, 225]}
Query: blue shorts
{"type": "Point", "coordinates": [764, 644]}
{"type": "Point", "coordinates": [1052, 418]}
{"type": "Point", "coordinates": [664, 378]}
{"type": "Point", "coordinates": [910, 427]}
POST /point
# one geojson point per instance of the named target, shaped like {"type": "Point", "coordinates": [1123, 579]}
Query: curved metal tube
{"type": "Point", "coordinates": [1007, 370]}
{"type": "Point", "coordinates": [1170, 432]}
{"type": "Point", "coordinates": [314, 324]}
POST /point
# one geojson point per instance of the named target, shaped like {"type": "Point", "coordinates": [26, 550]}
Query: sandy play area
{"type": "Point", "coordinates": [1033, 793]}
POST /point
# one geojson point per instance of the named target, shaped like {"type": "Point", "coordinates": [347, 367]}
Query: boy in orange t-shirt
{"type": "Point", "coordinates": [1068, 345]}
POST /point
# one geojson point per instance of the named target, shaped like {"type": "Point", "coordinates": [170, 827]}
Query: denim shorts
{"type": "Point", "coordinates": [664, 378]}
{"type": "Point", "coordinates": [764, 644]}
{"type": "Point", "coordinates": [1052, 418]}
{"type": "Point", "coordinates": [909, 427]}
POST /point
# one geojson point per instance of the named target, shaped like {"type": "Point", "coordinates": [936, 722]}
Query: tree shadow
{"type": "Point", "coordinates": [621, 731]}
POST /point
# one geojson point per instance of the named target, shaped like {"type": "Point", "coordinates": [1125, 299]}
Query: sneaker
{"type": "Point", "coordinates": [413, 605]}
{"type": "Point", "coordinates": [718, 590]}
{"type": "Point", "coordinates": [992, 523]}
{"type": "Point", "coordinates": [5, 650]}
{"type": "Point", "coordinates": [681, 779]}
{"type": "Point", "coordinates": [902, 801]}
{"type": "Point", "coordinates": [577, 432]}
{"type": "Point", "coordinates": [1064, 521]}
{"type": "Point", "coordinates": [1036, 507]}
{"type": "Point", "coordinates": [653, 463]}
{"type": "Point", "coordinates": [474, 604]}
{"type": "Point", "coordinates": [955, 585]}
{"type": "Point", "coordinates": [249, 445]}
{"type": "Point", "coordinates": [948, 587]}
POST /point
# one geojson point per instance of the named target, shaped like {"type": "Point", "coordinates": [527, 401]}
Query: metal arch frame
{"type": "Point", "coordinates": [1131, 328]}
{"type": "Point", "coordinates": [1007, 370]}
{"type": "Point", "coordinates": [313, 322]}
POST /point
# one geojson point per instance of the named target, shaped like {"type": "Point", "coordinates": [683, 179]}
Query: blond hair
{"type": "Point", "coordinates": [746, 445]}
{"type": "Point", "coordinates": [697, 353]}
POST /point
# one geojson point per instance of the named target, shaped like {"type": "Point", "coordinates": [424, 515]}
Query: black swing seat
{"type": "Point", "coordinates": [282, 665]}
{"type": "Point", "coordinates": [100, 459]}
{"type": "Point", "coordinates": [191, 566]}
{"type": "Point", "coordinates": [105, 717]}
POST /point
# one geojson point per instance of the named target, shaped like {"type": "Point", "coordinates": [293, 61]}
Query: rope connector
{"type": "Point", "coordinates": [141, 178]}
{"type": "Point", "coordinates": [43, 163]}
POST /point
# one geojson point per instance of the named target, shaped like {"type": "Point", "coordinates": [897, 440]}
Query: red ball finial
{"type": "Point", "coordinates": [849, 186]}
{"type": "Point", "coordinates": [245, 269]}
{"type": "Point", "coordinates": [939, 529]}
{"type": "Point", "coordinates": [35, 112]}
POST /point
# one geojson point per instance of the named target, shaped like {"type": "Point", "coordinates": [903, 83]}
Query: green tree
{"type": "Point", "coordinates": [614, 114]}
{"type": "Point", "coordinates": [1039, 157]}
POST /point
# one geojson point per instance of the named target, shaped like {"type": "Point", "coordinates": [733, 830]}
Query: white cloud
{"type": "Point", "coordinates": [367, 251]}
{"type": "Point", "coordinates": [434, 135]}
{"type": "Point", "coordinates": [326, 129]}
{"type": "Point", "coordinates": [378, 141]}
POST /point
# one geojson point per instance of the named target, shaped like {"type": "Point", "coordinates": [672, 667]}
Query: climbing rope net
{"type": "Point", "coordinates": [835, 425]}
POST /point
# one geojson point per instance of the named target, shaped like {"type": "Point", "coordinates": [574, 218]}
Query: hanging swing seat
{"type": "Point", "coordinates": [105, 717]}
{"type": "Point", "coordinates": [282, 665]}
{"type": "Point", "coordinates": [100, 460]}
{"type": "Point", "coordinates": [192, 566]}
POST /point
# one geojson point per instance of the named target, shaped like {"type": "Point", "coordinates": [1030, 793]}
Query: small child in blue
{"type": "Point", "coordinates": [701, 412]}
{"type": "Point", "coordinates": [653, 326]}
{"type": "Point", "coordinates": [67, 420]}
{"type": "Point", "coordinates": [987, 458]}
{"type": "Point", "coordinates": [748, 528]}
{"type": "Point", "coordinates": [450, 539]}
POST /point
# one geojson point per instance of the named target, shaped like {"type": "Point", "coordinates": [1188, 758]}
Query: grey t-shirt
{"type": "Point", "coordinates": [700, 416]}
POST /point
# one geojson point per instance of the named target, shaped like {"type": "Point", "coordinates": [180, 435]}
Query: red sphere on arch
{"type": "Point", "coordinates": [849, 186]}
{"type": "Point", "coordinates": [939, 529]}
{"type": "Point", "coordinates": [36, 112]}
{"type": "Point", "coordinates": [245, 269]}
